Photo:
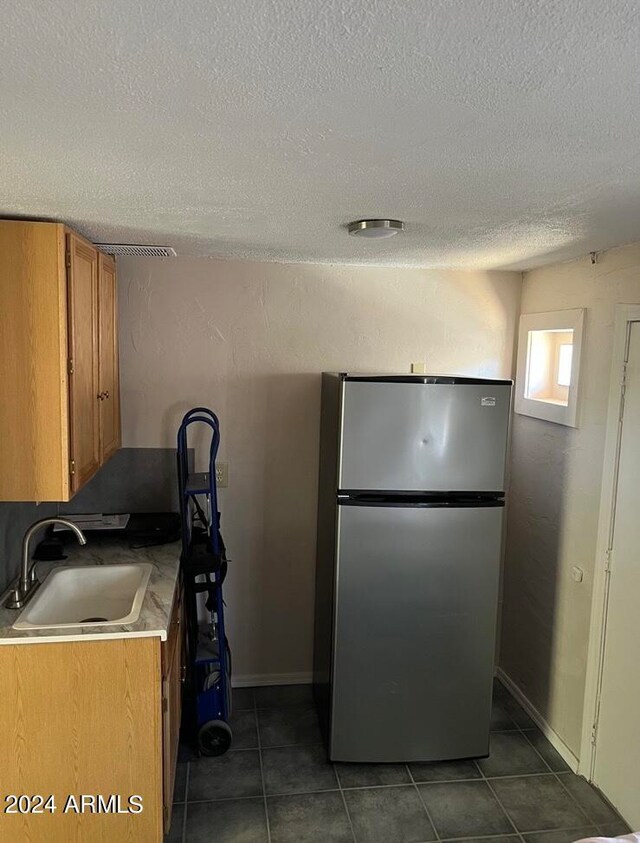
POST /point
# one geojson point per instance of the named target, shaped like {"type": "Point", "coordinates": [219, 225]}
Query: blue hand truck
{"type": "Point", "coordinates": [204, 567]}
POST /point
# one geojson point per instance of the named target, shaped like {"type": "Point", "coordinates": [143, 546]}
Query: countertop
{"type": "Point", "coordinates": [156, 607]}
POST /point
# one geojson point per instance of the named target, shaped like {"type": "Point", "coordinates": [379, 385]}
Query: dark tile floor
{"type": "Point", "coordinates": [276, 786]}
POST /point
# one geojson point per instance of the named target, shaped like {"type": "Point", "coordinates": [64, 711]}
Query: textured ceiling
{"type": "Point", "coordinates": [506, 133]}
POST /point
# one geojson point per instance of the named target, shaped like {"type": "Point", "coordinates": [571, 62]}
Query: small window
{"type": "Point", "coordinates": [565, 353]}
{"type": "Point", "coordinates": [548, 365]}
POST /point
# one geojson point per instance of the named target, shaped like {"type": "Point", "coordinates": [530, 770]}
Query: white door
{"type": "Point", "coordinates": [617, 760]}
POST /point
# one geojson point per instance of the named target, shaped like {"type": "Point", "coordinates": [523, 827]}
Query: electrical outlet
{"type": "Point", "coordinates": [222, 475]}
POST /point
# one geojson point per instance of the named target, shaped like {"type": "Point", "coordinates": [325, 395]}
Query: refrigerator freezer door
{"type": "Point", "coordinates": [424, 437]}
{"type": "Point", "coordinates": [414, 632]}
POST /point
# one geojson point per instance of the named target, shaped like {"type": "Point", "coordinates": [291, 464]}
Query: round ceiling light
{"type": "Point", "coordinates": [375, 228]}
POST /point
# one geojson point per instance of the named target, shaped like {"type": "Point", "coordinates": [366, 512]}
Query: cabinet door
{"type": "Point", "coordinates": [109, 390]}
{"type": "Point", "coordinates": [172, 708]}
{"type": "Point", "coordinates": [82, 292]}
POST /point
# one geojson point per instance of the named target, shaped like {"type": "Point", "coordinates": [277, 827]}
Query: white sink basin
{"type": "Point", "coordinates": [89, 595]}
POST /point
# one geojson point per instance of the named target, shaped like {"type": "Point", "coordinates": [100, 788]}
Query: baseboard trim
{"type": "Point", "coordinates": [553, 737]}
{"type": "Point", "coordinates": [249, 680]}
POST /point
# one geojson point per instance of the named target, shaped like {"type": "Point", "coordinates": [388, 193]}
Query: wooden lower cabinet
{"type": "Point", "coordinates": [83, 720]}
{"type": "Point", "coordinates": [173, 673]}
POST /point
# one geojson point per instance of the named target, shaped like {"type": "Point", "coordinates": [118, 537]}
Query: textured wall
{"type": "Point", "coordinates": [555, 496]}
{"type": "Point", "coordinates": [250, 340]}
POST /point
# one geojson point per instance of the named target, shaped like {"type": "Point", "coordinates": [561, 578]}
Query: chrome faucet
{"type": "Point", "coordinates": [27, 583]}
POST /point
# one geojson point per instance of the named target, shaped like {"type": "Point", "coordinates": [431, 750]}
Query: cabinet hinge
{"type": "Point", "coordinates": [67, 260]}
{"type": "Point", "coordinates": [70, 365]}
{"type": "Point", "coordinates": [594, 734]}
{"type": "Point", "coordinates": [607, 560]}
{"type": "Point", "coordinates": [72, 466]}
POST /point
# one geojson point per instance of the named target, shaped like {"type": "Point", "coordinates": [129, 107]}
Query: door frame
{"type": "Point", "coordinates": [625, 316]}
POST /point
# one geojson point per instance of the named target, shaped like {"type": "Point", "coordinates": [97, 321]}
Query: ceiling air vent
{"type": "Point", "coordinates": [136, 251]}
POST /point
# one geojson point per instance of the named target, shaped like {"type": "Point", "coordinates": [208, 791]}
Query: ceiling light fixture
{"type": "Point", "coordinates": [375, 228]}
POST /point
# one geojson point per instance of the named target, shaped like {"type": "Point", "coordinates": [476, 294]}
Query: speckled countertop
{"type": "Point", "coordinates": [156, 607]}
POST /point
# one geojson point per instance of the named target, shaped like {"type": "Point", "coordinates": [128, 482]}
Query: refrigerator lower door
{"type": "Point", "coordinates": [414, 632]}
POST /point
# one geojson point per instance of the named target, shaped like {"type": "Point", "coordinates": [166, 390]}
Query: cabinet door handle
{"type": "Point", "coordinates": [106, 394]}
{"type": "Point", "coordinates": [183, 673]}
{"type": "Point", "coordinates": [101, 396]}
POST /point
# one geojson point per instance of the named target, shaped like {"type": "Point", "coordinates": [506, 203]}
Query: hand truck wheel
{"type": "Point", "coordinates": [214, 737]}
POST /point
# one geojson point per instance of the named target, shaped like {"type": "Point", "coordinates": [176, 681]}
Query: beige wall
{"type": "Point", "coordinates": [555, 495]}
{"type": "Point", "coordinates": [250, 340]}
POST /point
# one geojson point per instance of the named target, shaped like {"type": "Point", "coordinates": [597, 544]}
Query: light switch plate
{"type": "Point", "coordinates": [419, 368]}
{"type": "Point", "coordinates": [222, 475]}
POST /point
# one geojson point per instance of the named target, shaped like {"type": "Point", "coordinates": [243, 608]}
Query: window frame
{"type": "Point", "coordinates": [553, 320]}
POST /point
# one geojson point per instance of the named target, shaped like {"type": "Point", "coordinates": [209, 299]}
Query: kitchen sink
{"type": "Point", "coordinates": [88, 595]}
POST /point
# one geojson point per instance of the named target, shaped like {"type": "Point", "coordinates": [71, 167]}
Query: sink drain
{"type": "Point", "coordinates": [93, 620]}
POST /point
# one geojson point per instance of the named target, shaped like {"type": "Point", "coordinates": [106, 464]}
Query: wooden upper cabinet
{"type": "Point", "coordinates": [58, 346]}
{"type": "Point", "coordinates": [108, 372]}
{"type": "Point", "coordinates": [84, 410]}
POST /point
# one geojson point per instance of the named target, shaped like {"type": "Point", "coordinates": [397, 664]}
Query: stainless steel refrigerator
{"type": "Point", "coordinates": [410, 514]}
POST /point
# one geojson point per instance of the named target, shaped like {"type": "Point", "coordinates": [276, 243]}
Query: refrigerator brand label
{"type": "Point", "coordinates": [488, 401]}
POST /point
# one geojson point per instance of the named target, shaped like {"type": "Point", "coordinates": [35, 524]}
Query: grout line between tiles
{"type": "Point", "coordinates": [477, 778]}
{"type": "Point", "coordinates": [303, 792]}
{"type": "Point", "coordinates": [264, 788]}
{"type": "Point", "coordinates": [400, 784]}
{"type": "Point", "coordinates": [344, 802]}
{"type": "Point", "coordinates": [582, 810]}
{"type": "Point", "coordinates": [479, 837]}
{"type": "Point", "coordinates": [422, 802]}
{"type": "Point", "coordinates": [554, 773]}
{"type": "Point", "coordinates": [523, 732]}
{"type": "Point", "coordinates": [254, 798]}
{"type": "Point", "coordinates": [284, 745]}
{"type": "Point", "coordinates": [276, 746]}
{"type": "Point", "coordinates": [499, 801]}
{"type": "Point", "coordinates": [509, 834]}
{"type": "Point", "coordinates": [243, 749]}
{"type": "Point", "coordinates": [591, 821]}
{"type": "Point", "coordinates": [397, 786]}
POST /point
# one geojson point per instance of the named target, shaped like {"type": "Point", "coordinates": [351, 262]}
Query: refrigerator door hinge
{"type": "Point", "coordinates": [67, 259]}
